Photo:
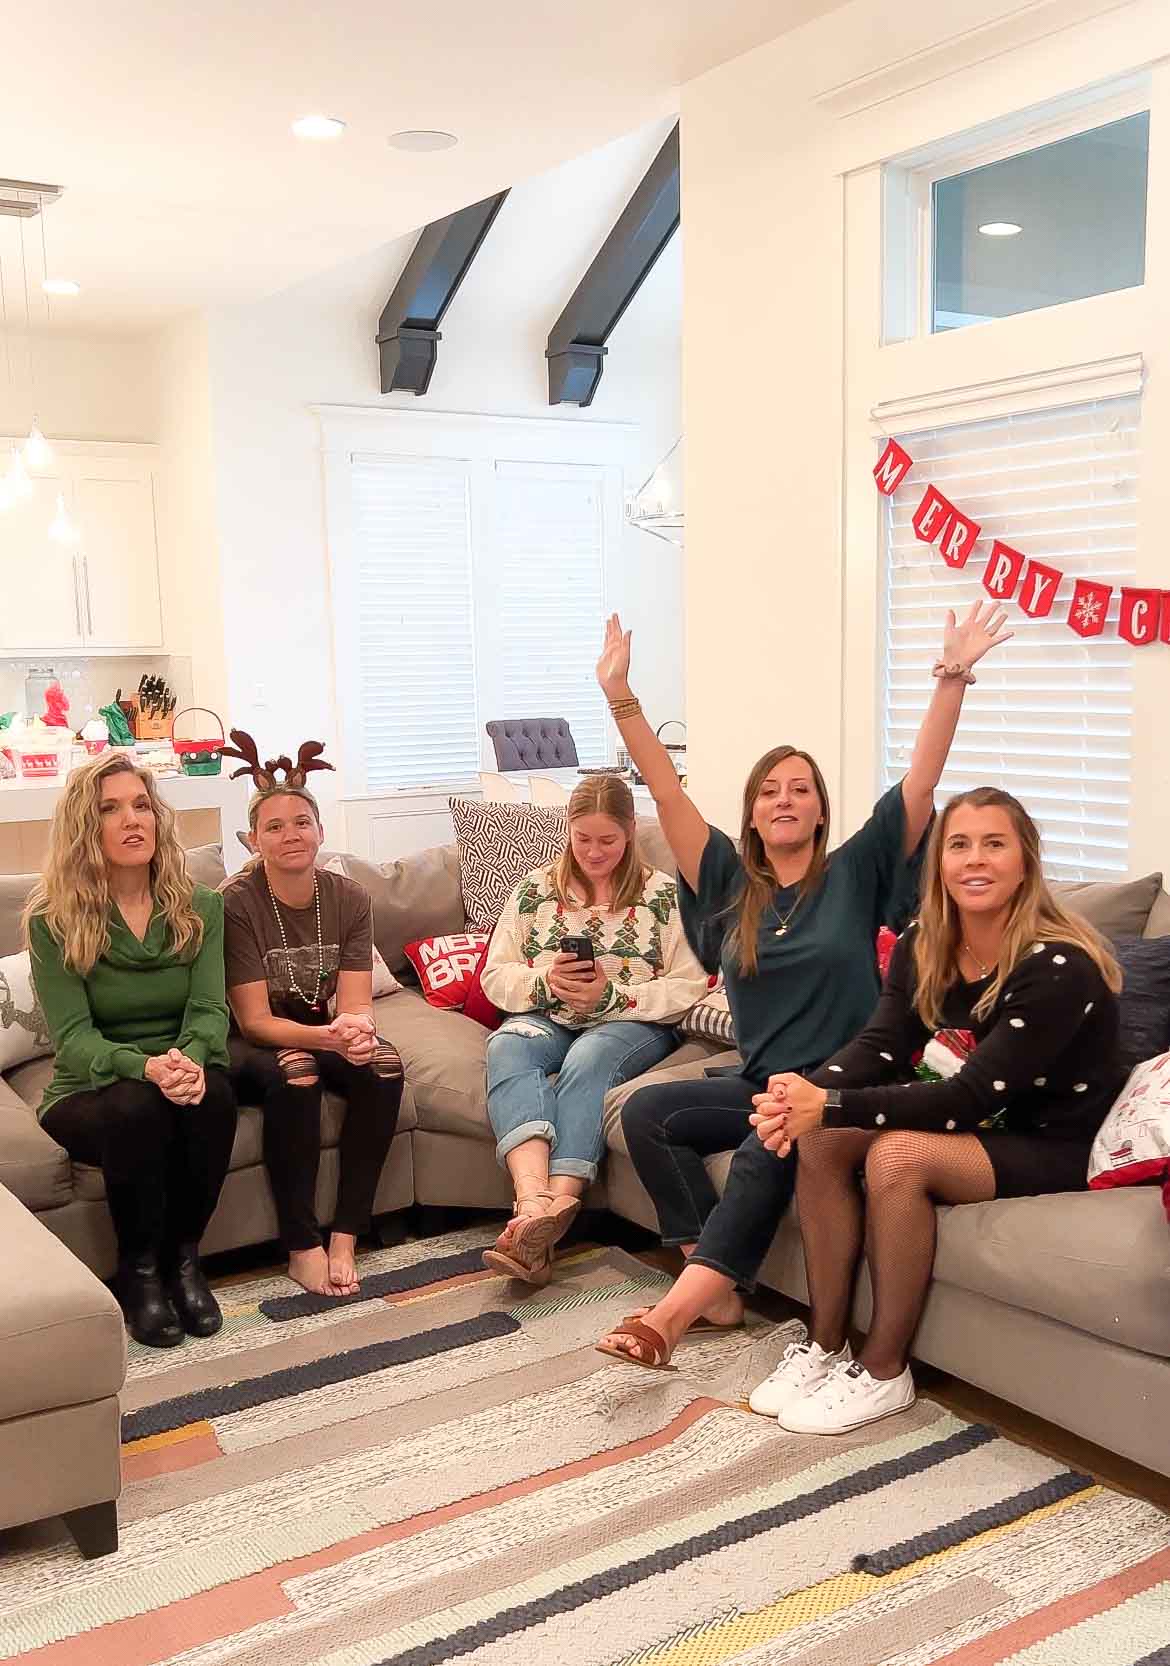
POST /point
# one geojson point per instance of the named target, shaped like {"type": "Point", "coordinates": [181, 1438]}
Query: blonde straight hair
{"type": "Point", "coordinates": [602, 795]}
{"type": "Point", "coordinates": [759, 885]}
{"type": "Point", "coordinates": [73, 897]}
{"type": "Point", "coordinates": [1035, 916]}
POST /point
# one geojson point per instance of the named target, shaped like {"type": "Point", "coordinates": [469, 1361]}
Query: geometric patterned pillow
{"type": "Point", "coordinates": [498, 845]}
{"type": "Point", "coordinates": [24, 1034]}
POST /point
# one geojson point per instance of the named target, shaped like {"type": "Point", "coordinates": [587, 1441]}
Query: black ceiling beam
{"type": "Point", "coordinates": [408, 330]}
{"type": "Point", "coordinates": [576, 345]}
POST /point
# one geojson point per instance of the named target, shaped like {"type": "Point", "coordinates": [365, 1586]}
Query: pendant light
{"type": "Point", "coordinates": [61, 528]}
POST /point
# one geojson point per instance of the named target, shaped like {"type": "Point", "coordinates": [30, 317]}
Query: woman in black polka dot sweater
{"type": "Point", "coordinates": [985, 1072]}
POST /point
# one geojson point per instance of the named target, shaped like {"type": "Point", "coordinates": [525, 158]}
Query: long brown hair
{"type": "Point", "coordinates": [73, 895]}
{"type": "Point", "coordinates": [759, 883]}
{"type": "Point", "coordinates": [1035, 916]}
{"type": "Point", "coordinates": [602, 795]}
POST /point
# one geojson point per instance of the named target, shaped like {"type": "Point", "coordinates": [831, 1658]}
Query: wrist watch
{"type": "Point", "coordinates": [832, 1099]}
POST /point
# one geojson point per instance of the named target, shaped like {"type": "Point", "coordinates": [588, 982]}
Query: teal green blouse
{"type": "Point", "coordinates": [139, 1000]}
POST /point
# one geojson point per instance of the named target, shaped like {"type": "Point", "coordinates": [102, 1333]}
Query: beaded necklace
{"type": "Point", "coordinates": [313, 1001]}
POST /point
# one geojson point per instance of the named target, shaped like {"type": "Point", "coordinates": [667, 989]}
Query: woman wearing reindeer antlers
{"type": "Point", "coordinates": [298, 941]}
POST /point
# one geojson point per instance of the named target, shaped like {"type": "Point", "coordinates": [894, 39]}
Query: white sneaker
{"type": "Point", "coordinates": [847, 1398]}
{"type": "Point", "coordinates": [805, 1364]}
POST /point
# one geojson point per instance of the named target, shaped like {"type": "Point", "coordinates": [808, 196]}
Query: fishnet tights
{"type": "Point", "coordinates": [906, 1174]}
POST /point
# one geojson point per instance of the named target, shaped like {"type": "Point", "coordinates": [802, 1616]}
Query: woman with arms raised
{"type": "Point", "coordinates": [1011, 1001]}
{"type": "Point", "coordinates": [127, 958]}
{"type": "Point", "coordinates": [792, 926]}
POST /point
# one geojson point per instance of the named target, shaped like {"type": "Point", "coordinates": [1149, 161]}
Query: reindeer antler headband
{"type": "Point", "coordinates": [275, 775]}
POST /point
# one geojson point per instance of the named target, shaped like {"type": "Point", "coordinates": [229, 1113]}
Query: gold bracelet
{"type": "Point", "coordinates": [621, 709]}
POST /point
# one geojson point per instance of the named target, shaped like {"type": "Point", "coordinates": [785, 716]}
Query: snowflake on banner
{"type": "Point", "coordinates": [1088, 611]}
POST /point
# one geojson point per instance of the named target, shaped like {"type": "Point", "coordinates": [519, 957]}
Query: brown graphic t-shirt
{"type": "Point", "coordinates": [254, 953]}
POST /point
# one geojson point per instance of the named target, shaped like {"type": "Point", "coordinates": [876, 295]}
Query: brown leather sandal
{"type": "Point", "coordinates": [536, 1272]}
{"type": "Point", "coordinates": [646, 1334]}
{"type": "Point", "coordinates": [535, 1233]}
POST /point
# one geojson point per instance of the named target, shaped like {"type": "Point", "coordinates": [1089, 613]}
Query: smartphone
{"type": "Point", "coordinates": [581, 948]}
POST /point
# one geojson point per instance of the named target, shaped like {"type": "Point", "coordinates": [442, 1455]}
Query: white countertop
{"type": "Point", "coordinates": [24, 800]}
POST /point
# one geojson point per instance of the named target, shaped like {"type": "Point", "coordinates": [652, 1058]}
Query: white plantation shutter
{"type": "Point", "coordinates": [1051, 716]}
{"type": "Point", "coordinates": [414, 631]}
{"type": "Point", "coordinates": [550, 602]}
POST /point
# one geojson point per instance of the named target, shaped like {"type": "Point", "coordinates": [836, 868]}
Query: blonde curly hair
{"type": "Point", "coordinates": [73, 897]}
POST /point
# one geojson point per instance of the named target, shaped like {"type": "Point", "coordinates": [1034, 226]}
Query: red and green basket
{"type": "Point", "coordinates": [198, 757]}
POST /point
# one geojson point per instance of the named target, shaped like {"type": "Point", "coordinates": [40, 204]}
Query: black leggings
{"type": "Point", "coordinates": [669, 1129]}
{"type": "Point", "coordinates": [288, 1083]}
{"type": "Point", "coordinates": [163, 1164]}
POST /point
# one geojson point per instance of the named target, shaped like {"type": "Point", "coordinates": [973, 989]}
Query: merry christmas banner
{"type": "Point", "coordinates": [1012, 576]}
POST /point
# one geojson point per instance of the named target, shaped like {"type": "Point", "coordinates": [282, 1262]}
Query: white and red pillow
{"type": "Point", "coordinates": [1132, 1147]}
{"type": "Point", "coordinates": [447, 966]}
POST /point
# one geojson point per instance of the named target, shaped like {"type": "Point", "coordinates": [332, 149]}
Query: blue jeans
{"type": "Point", "coordinates": [524, 1105]}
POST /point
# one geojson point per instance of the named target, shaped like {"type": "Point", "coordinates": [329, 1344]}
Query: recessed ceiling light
{"type": "Point", "coordinates": [61, 286]}
{"type": "Point", "coordinates": [318, 127]}
{"type": "Point", "coordinates": [1001, 228]}
{"type": "Point", "coordinates": [422, 138]}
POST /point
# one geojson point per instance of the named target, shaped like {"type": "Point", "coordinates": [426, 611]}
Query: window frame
{"type": "Point", "coordinates": [357, 433]}
{"type": "Point", "coordinates": [908, 192]}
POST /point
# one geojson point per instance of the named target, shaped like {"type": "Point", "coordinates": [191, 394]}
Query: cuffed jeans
{"type": "Point", "coordinates": [669, 1130]}
{"type": "Point", "coordinates": [524, 1105]}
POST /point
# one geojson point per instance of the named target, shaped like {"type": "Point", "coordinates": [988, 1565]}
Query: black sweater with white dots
{"type": "Point", "coordinates": [1046, 1060]}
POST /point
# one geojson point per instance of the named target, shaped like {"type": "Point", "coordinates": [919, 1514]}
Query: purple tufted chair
{"type": "Point", "coordinates": [532, 743]}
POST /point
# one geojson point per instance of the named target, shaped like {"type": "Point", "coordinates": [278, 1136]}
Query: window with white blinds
{"type": "Point", "coordinates": [551, 602]}
{"type": "Point", "coordinates": [1050, 718]}
{"type": "Point", "coordinates": [479, 594]}
{"type": "Point", "coordinates": [414, 629]}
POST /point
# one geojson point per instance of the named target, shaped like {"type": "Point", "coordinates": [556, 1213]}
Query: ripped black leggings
{"type": "Point", "coordinates": [287, 1083]}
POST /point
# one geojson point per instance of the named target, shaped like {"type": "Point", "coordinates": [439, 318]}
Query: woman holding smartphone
{"type": "Point", "coordinates": [591, 959]}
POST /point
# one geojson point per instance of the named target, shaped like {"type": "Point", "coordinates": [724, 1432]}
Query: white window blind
{"type": "Point", "coordinates": [549, 547]}
{"type": "Point", "coordinates": [1050, 718]}
{"type": "Point", "coordinates": [414, 628]}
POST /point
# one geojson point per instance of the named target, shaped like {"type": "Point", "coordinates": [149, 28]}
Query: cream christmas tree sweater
{"type": "Point", "coordinates": [652, 973]}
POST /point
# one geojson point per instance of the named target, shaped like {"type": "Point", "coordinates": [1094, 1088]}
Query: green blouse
{"type": "Point", "coordinates": [138, 1000]}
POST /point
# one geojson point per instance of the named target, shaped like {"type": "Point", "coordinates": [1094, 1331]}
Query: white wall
{"type": "Point", "coordinates": [767, 143]}
{"type": "Point", "coordinates": [271, 362]}
{"type": "Point", "coordinates": [80, 387]}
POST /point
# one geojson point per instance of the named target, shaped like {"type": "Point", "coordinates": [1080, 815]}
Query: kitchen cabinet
{"type": "Point", "coordinates": [101, 595]}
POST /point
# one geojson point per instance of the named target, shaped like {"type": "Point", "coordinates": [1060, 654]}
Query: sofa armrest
{"type": "Point", "coordinates": [32, 1165]}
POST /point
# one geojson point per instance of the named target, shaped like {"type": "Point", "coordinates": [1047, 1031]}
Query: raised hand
{"type": "Point", "coordinates": [981, 629]}
{"type": "Point", "coordinates": [613, 668]}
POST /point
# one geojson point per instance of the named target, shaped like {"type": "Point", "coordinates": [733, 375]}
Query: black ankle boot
{"type": "Point", "coordinates": [187, 1287]}
{"type": "Point", "coordinates": [150, 1318]}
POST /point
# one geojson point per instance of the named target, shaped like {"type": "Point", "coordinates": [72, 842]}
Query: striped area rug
{"type": "Point", "coordinates": [445, 1470]}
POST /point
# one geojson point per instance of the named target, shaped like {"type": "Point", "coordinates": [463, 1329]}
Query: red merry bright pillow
{"type": "Point", "coordinates": [446, 966]}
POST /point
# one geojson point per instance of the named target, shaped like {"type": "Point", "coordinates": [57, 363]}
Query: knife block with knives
{"type": "Point", "coordinates": [152, 709]}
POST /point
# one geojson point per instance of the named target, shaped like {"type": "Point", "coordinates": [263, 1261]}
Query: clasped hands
{"type": "Point", "coordinates": [353, 1035]}
{"type": "Point", "coordinates": [790, 1107]}
{"type": "Point", "coordinates": [177, 1077]}
{"type": "Point", "coordinates": [578, 984]}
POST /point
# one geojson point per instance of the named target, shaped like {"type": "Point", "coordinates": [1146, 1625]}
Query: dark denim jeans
{"type": "Point", "coordinates": [669, 1129]}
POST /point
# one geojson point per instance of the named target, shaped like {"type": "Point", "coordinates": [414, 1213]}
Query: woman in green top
{"type": "Point", "coordinates": [127, 959]}
{"type": "Point", "coordinates": [792, 926]}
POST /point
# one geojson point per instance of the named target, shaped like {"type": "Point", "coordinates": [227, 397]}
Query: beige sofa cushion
{"type": "Point", "coordinates": [32, 1166]}
{"type": "Point", "coordinates": [1158, 924]}
{"type": "Point", "coordinates": [14, 890]}
{"type": "Point", "coordinates": [1097, 1260]}
{"type": "Point", "coordinates": [416, 897]}
{"type": "Point", "coordinates": [1117, 909]}
{"type": "Point", "coordinates": [61, 1334]}
{"type": "Point", "coordinates": [444, 1056]}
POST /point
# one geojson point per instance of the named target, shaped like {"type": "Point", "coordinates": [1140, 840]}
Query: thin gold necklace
{"type": "Point", "coordinates": [984, 971]}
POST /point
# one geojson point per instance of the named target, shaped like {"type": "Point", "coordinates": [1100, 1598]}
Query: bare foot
{"type": "Point", "coordinates": [310, 1269]}
{"type": "Point", "coordinates": [342, 1268]}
